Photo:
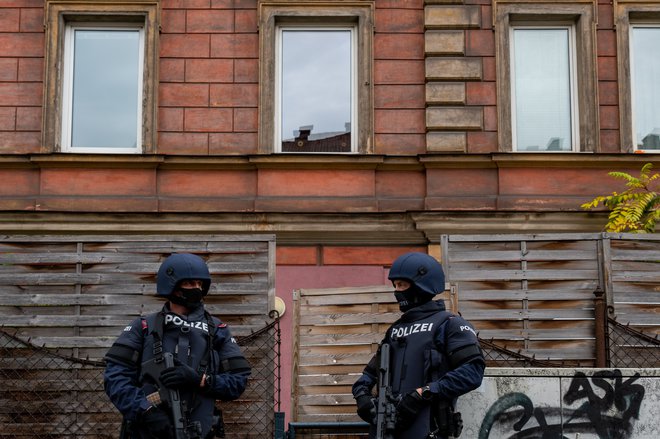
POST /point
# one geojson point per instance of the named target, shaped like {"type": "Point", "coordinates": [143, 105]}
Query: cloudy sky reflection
{"type": "Point", "coordinates": [106, 66]}
{"type": "Point", "coordinates": [316, 80]}
{"type": "Point", "coordinates": [646, 83]}
{"type": "Point", "coordinates": [542, 89]}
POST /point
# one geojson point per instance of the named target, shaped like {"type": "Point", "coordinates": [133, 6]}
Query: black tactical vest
{"type": "Point", "coordinates": [415, 358]}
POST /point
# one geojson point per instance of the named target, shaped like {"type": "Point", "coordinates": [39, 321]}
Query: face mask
{"type": "Point", "coordinates": [191, 298]}
{"type": "Point", "coordinates": [410, 298]}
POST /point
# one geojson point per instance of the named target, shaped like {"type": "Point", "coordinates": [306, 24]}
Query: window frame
{"type": "Point", "coordinates": [627, 15]}
{"type": "Point", "coordinates": [276, 14]}
{"type": "Point", "coordinates": [575, 133]}
{"type": "Point", "coordinates": [529, 12]}
{"type": "Point", "coordinates": [59, 14]}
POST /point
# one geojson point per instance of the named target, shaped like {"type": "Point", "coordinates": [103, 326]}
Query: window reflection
{"type": "Point", "coordinates": [106, 83]}
{"type": "Point", "coordinates": [542, 89]}
{"type": "Point", "coordinates": [316, 90]}
{"type": "Point", "coordinates": [645, 60]}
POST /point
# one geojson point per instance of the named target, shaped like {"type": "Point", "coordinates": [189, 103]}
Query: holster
{"type": "Point", "coordinates": [448, 422]}
{"type": "Point", "coordinates": [218, 425]}
{"type": "Point", "coordinates": [126, 431]}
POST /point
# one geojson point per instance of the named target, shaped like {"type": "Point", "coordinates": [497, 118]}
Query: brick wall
{"type": "Point", "coordinates": [21, 72]}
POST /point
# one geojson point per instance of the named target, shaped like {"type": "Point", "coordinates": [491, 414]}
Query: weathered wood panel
{"type": "Point", "coordinates": [78, 292]}
{"type": "Point", "coordinates": [508, 284]}
{"type": "Point", "coordinates": [633, 279]}
{"type": "Point", "coordinates": [530, 293]}
{"type": "Point", "coordinates": [337, 331]}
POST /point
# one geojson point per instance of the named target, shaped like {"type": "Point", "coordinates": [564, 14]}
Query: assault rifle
{"type": "Point", "coordinates": [183, 428]}
{"type": "Point", "coordinates": [385, 403]}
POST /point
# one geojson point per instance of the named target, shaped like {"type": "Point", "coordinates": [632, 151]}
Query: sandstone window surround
{"type": "Point", "coordinates": [274, 16]}
{"type": "Point", "coordinates": [111, 19]}
{"type": "Point", "coordinates": [637, 72]}
{"type": "Point", "coordinates": [578, 16]}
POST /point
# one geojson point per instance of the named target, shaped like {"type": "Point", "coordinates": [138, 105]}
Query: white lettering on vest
{"type": "Point", "coordinates": [415, 328]}
{"type": "Point", "coordinates": [178, 321]}
{"type": "Point", "coordinates": [467, 328]}
{"type": "Point", "coordinates": [128, 328]}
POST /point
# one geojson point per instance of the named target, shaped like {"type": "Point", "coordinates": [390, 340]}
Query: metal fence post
{"type": "Point", "coordinates": [600, 320]}
{"type": "Point", "coordinates": [279, 432]}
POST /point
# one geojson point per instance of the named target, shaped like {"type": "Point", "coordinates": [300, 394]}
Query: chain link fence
{"type": "Point", "coordinates": [45, 395]}
{"type": "Point", "coordinates": [499, 356]}
{"type": "Point", "coordinates": [627, 347]}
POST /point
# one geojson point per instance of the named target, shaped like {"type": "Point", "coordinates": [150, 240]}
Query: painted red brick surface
{"type": "Point", "coordinates": [297, 255]}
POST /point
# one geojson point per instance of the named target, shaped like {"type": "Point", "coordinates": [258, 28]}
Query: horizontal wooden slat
{"type": "Point", "coordinates": [527, 294]}
{"type": "Point", "coordinates": [518, 256]}
{"type": "Point", "coordinates": [549, 274]}
{"type": "Point", "coordinates": [136, 242]}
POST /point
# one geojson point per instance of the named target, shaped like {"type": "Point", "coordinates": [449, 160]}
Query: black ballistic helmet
{"type": "Point", "coordinates": [420, 269]}
{"type": "Point", "coordinates": [179, 267]}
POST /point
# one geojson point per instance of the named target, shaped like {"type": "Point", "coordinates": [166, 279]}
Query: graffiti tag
{"type": "Point", "coordinates": [609, 405]}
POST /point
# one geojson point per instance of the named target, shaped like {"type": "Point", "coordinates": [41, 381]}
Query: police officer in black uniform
{"type": "Point", "coordinates": [434, 356]}
{"type": "Point", "coordinates": [208, 364]}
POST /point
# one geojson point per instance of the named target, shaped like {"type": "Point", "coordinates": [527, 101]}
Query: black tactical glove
{"type": "Point", "coordinates": [408, 409]}
{"type": "Point", "coordinates": [366, 409]}
{"type": "Point", "coordinates": [180, 376]}
{"type": "Point", "coordinates": [156, 423]}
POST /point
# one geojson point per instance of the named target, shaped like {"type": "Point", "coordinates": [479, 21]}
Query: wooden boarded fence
{"type": "Point", "coordinates": [74, 294]}
{"type": "Point", "coordinates": [535, 293]}
{"type": "Point", "coordinates": [528, 293]}
{"type": "Point", "coordinates": [78, 292]}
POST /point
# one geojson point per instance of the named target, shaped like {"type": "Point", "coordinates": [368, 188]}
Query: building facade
{"type": "Point", "coordinates": [353, 130]}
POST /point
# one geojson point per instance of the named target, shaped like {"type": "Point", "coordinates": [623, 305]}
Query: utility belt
{"type": "Point", "coordinates": [447, 422]}
{"type": "Point", "coordinates": [129, 429]}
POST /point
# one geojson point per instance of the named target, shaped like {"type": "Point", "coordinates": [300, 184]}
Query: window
{"type": "Point", "coordinates": [546, 72]}
{"type": "Point", "coordinates": [315, 95]}
{"type": "Point", "coordinates": [645, 84]}
{"type": "Point", "coordinates": [100, 81]}
{"type": "Point", "coordinates": [543, 81]}
{"type": "Point", "coordinates": [315, 78]}
{"type": "Point", "coordinates": [638, 46]}
{"type": "Point", "coordinates": [102, 89]}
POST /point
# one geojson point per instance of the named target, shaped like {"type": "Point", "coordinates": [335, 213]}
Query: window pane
{"type": "Point", "coordinates": [105, 88]}
{"type": "Point", "coordinates": [646, 86]}
{"type": "Point", "coordinates": [541, 82]}
{"type": "Point", "coordinates": [316, 90]}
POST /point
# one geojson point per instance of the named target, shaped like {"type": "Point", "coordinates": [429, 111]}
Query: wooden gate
{"type": "Point", "coordinates": [336, 332]}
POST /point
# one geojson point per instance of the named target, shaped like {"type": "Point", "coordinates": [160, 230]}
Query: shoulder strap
{"type": "Point", "coordinates": [212, 329]}
{"type": "Point", "coordinates": [157, 333]}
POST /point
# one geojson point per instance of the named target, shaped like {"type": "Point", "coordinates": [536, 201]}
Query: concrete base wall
{"type": "Point", "coordinates": [563, 403]}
